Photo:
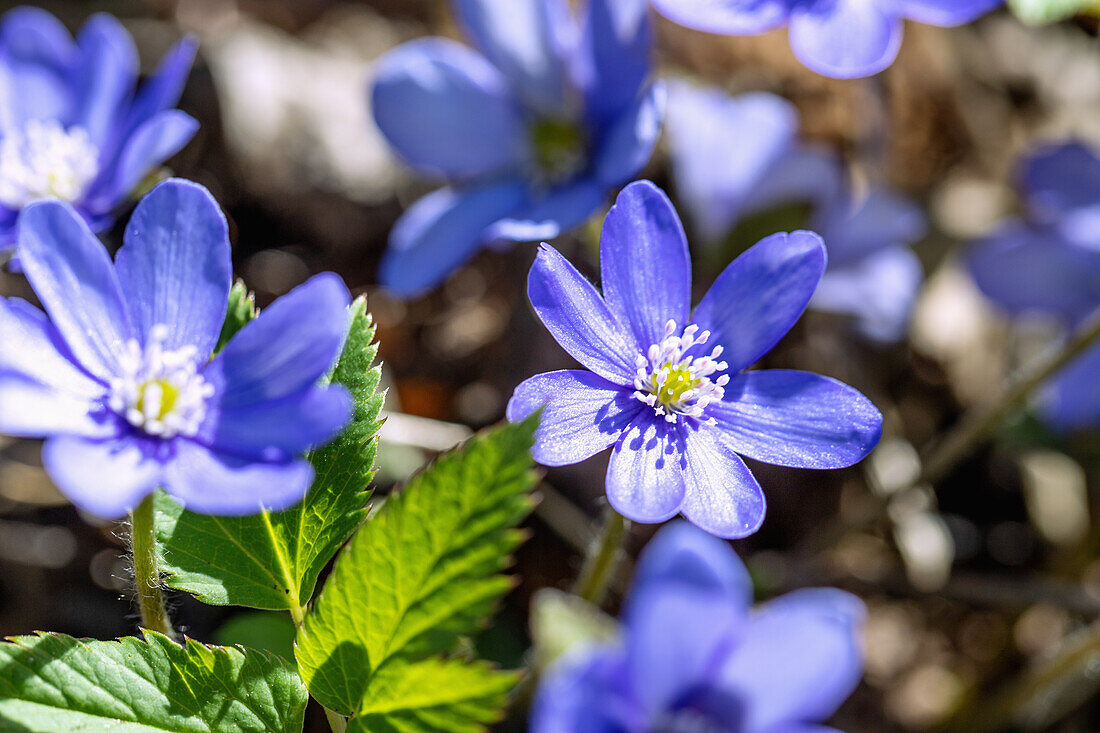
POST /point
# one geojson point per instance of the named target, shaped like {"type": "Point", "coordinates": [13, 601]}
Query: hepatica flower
{"type": "Point", "coordinates": [839, 38]}
{"type": "Point", "coordinates": [73, 123]}
{"type": "Point", "coordinates": [531, 130]}
{"type": "Point", "coordinates": [1048, 261]}
{"type": "Point", "coordinates": [736, 156]}
{"type": "Point", "coordinates": [694, 657]}
{"type": "Point", "coordinates": [119, 377]}
{"type": "Point", "coordinates": [668, 387]}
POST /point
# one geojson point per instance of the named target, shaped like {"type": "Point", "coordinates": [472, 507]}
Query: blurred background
{"type": "Point", "coordinates": [972, 587]}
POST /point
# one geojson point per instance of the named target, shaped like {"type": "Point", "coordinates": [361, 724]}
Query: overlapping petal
{"type": "Point", "coordinates": [106, 477]}
{"type": "Point", "coordinates": [106, 75]}
{"type": "Point", "coordinates": [547, 215]}
{"type": "Point", "coordinates": [760, 295]}
{"type": "Point", "coordinates": [284, 427]}
{"type": "Point", "coordinates": [846, 39]}
{"type": "Point", "coordinates": [645, 477]}
{"type": "Point", "coordinates": [37, 56]}
{"type": "Point", "coordinates": [735, 17]}
{"type": "Point", "coordinates": [721, 495]}
{"type": "Point", "coordinates": [585, 692]}
{"type": "Point", "coordinates": [797, 419]}
{"type": "Point", "coordinates": [853, 230]}
{"type": "Point", "coordinates": [175, 267]}
{"type": "Point", "coordinates": [645, 269]}
{"type": "Point", "coordinates": [628, 141]}
{"type": "Point", "coordinates": [582, 414]}
{"type": "Point", "coordinates": [879, 291]}
{"type": "Point", "coordinates": [616, 41]}
{"type": "Point", "coordinates": [446, 110]}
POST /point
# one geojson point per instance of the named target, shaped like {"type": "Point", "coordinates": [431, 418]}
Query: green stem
{"type": "Point", "coordinates": [977, 425]}
{"type": "Point", "coordinates": [143, 544]}
{"type": "Point", "coordinates": [603, 557]}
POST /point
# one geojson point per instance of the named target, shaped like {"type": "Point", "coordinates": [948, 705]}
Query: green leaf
{"type": "Point", "coordinates": [422, 572]}
{"type": "Point", "coordinates": [52, 682]}
{"type": "Point", "coordinates": [1040, 12]}
{"type": "Point", "coordinates": [434, 695]}
{"type": "Point", "coordinates": [273, 560]}
{"type": "Point", "coordinates": [241, 310]}
{"type": "Point", "coordinates": [561, 621]}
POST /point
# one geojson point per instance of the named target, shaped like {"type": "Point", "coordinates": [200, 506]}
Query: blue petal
{"type": "Point", "coordinates": [734, 17]}
{"type": "Point", "coordinates": [723, 148]}
{"type": "Point", "coordinates": [211, 482]}
{"type": "Point", "coordinates": [164, 86]}
{"type": "Point", "coordinates": [1025, 268]}
{"type": "Point", "coordinates": [37, 55]}
{"type": "Point", "coordinates": [796, 419]}
{"type": "Point", "coordinates": [175, 267]}
{"type": "Point", "coordinates": [721, 494]}
{"type": "Point", "coordinates": [628, 143]}
{"type": "Point", "coordinates": [287, 348]}
{"type": "Point", "coordinates": [584, 692]}
{"type": "Point", "coordinates": [645, 481]}
{"type": "Point", "coordinates": [446, 110]}
{"type": "Point", "coordinates": [528, 40]}
{"type": "Point", "coordinates": [42, 392]}
{"type": "Point", "coordinates": [799, 658]}
{"type": "Point", "coordinates": [548, 216]}
{"type": "Point", "coordinates": [1060, 180]}
{"type": "Point", "coordinates": [760, 295]}
{"type": "Point", "coordinates": [852, 230]}
{"type": "Point", "coordinates": [442, 231]}
{"type": "Point", "coordinates": [617, 41]}
{"type": "Point", "coordinates": [582, 414]}
{"type": "Point", "coordinates": [1071, 400]}
{"type": "Point", "coordinates": [155, 141]}
{"type": "Point", "coordinates": [644, 264]}
{"type": "Point", "coordinates": [106, 77]}
{"type": "Point", "coordinates": [946, 12]}
{"type": "Point", "coordinates": [879, 291]}
{"type": "Point", "coordinates": [805, 174]}
{"type": "Point", "coordinates": [579, 319]}
{"type": "Point", "coordinates": [280, 428]}
{"type": "Point", "coordinates": [73, 276]}
{"type": "Point", "coordinates": [107, 478]}
{"type": "Point", "coordinates": [689, 601]}
{"type": "Point", "coordinates": [846, 39]}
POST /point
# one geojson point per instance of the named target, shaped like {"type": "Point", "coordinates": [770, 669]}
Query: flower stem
{"type": "Point", "coordinates": [603, 557]}
{"type": "Point", "coordinates": [143, 544]}
{"type": "Point", "coordinates": [978, 424]}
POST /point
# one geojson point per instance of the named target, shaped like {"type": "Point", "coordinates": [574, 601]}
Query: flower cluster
{"type": "Point", "coordinates": [656, 390]}
{"type": "Point", "coordinates": [121, 379]}
{"type": "Point", "coordinates": [75, 125]}
{"type": "Point", "coordinates": [838, 38]}
{"type": "Point", "coordinates": [532, 130]}
{"type": "Point", "coordinates": [735, 156]}
{"type": "Point", "coordinates": [1049, 262]}
{"type": "Point", "coordinates": [694, 657]}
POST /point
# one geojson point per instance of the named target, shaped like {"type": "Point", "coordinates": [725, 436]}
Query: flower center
{"type": "Point", "coordinates": [675, 384]}
{"type": "Point", "coordinates": [560, 147]}
{"type": "Point", "coordinates": [159, 391]}
{"type": "Point", "coordinates": [45, 160]}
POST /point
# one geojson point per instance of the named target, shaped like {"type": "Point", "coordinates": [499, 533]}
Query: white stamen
{"type": "Point", "coordinates": [43, 159]}
{"type": "Point", "coordinates": [160, 391]}
{"type": "Point", "coordinates": [693, 388]}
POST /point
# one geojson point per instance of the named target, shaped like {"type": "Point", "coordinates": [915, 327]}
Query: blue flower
{"type": "Point", "coordinates": [735, 156]}
{"type": "Point", "coordinates": [694, 657]}
{"type": "Point", "coordinates": [839, 38]}
{"type": "Point", "coordinates": [1049, 262]}
{"type": "Point", "coordinates": [119, 377]}
{"type": "Point", "coordinates": [667, 386]}
{"type": "Point", "coordinates": [72, 126]}
{"type": "Point", "coordinates": [532, 130]}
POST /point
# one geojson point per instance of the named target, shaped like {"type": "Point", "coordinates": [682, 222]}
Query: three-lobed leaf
{"type": "Point", "coordinates": [52, 682]}
{"type": "Point", "coordinates": [273, 560]}
{"type": "Point", "coordinates": [424, 571]}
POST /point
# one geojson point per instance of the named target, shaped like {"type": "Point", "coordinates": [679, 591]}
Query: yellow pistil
{"type": "Point", "coordinates": [156, 398]}
{"type": "Point", "coordinates": [677, 382]}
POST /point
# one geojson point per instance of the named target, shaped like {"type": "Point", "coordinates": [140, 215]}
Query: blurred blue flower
{"type": "Point", "coordinates": [694, 657]}
{"type": "Point", "coordinates": [119, 377]}
{"type": "Point", "coordinates": [839, 38]}
{"type": "Point", "coordinates": [1048, 261]}
{"type": "Point", "coordinates": [667, 386]}
{"type": "Point", "coordinates": [735, 156]}
{"type": "Point", "coordinates": [73, 123]}
{"type": "Point", "coordinates": [532, 131]}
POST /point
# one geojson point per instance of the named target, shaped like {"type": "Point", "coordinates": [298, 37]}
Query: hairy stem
{"type": "Point", "coordinates": [143, 545]}
{"type": "Point", "coordinates": [603, 557]}
{"type": "Point", "coordinates": [977, 425]}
